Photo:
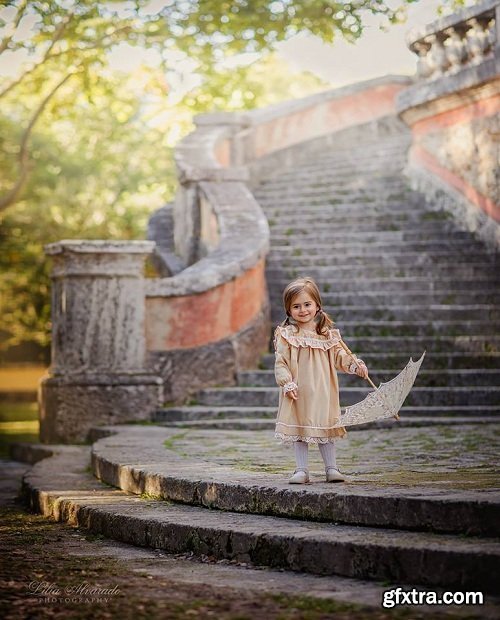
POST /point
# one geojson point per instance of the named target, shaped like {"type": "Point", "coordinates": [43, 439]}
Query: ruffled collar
{"type": "Point", "coordinates": [308, 338]}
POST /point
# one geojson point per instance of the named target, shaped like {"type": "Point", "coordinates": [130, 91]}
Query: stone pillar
{"type": "Point", "coordinates": [98, 373]}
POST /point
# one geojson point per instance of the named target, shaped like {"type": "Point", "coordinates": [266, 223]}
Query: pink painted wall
{"type": "Point", "coordinates": [195, 320]}
{"type": "Point", "coordinates": [223, 153]}
{"type": "Point", "coordinates": [325, 118]}
{"type": "Point", "coordinates": [458, 147]}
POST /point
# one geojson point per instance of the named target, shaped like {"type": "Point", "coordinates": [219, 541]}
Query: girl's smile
{"type": "Point", "coordinates": [303, 310]}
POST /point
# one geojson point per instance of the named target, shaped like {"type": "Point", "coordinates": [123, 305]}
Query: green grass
{"type": "Point", "coordinates": [169, 443]}
{"type": "Point", "coordinates": [18, 422]}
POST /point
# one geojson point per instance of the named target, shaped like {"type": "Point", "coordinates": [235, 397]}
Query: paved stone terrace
{"type": "Point", "coordinates": [439, 457]}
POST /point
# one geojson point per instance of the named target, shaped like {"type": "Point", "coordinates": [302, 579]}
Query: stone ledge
{"type": "Point", "coordinates": [284, 108]}
{"type": "Point", "coordinates": [104, 246]}
{"type": "Point", "coordinates": [137, 461]}
{"type": "Point", "coordinates": [468, 85]}
{"type": "Point", "coordinates": [244, 241]}
{"type": "Point", "coordinates": [404, 557]}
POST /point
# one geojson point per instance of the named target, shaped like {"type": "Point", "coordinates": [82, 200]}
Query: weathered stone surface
{"type": "Point", "coordinates": [467, 150]}
{"type": "Point", "coordinates": [98, 370]}
{"type": "Point", "coordinates": [186, 371]}
{"type": "Point", "coordinates": [161, 231]}
{"type": "Point", "coordinates": [443, 198]}
{"type": "Point", "coordinates": [70, 406]}
{"type": "Point", "coordinates": [98, 306]}
{"type": "Point", "coordinates": [405, 557]}
{"type": "Point", "coordinates": [135, 461]}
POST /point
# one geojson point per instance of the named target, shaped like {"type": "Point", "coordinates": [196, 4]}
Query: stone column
{"type": "Point", "coordinates": [98, 373]}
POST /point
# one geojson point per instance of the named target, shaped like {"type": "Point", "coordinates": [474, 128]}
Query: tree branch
{"type": "Point", "coordinates": [58, 34]}
{"type": "Point", "coordinates": [98, 43]}
{"type": "Point", "coordinates": [23, 157]}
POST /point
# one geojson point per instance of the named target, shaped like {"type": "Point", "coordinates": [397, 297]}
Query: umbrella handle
{"type": "Point", "coordinates": [349, 352]}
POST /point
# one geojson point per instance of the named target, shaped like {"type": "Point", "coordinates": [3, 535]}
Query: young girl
{"type": "Point", "coordinates": [308, 352]}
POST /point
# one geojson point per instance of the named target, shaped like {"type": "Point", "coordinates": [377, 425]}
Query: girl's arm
{"type": "Point", "coordinates": [282, 372]}
{"type": "Point", "coordinates": [343, 361]}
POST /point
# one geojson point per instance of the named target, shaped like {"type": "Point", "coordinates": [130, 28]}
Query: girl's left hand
{"type": "Point", "coordinates": [362, 370]}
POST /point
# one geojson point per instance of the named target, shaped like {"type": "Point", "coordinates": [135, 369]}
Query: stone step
{"type": "Point", "coordinates": [386, 285]}
{"type": "Point", "coordinates": [355, 551]}
{"type": "Point", "coordinates": [345, 169]}
{"type": "Point", "coordinates": [429, 378]}
{"type": "Point", "coordinates": [284, 224]}
{"type": "Point", "coordinates": [327, 191]}
{"type": "Point", "coordinates": [197, 412]}
{"type": "Point", "coordinates": [416, 328]}
{"type": "Point", "coordinates": [314, 190]}
{"type": "Point", "coordinates": [390, 259]}
{"type": "Point", "coordinates": [419, 396]}
{"type": "Point", "coordinates": [298, 239]}
{"type": "Point", "coordinates": [119, 460]}
{"type": "Point", "coordinates": [372, 176]}
{"type": "Point", "coordinates": [376, 248]}
{"type": "Point", "coordinates": [375, 299]}
{"type": "Point", "coordinates": [443, 344]}
{"type": "Point", "coordinates": [265, 424]}
{"type": "Point", "coordinates": [187, 413]}
{"type": "Point", "coordinates": [419, 328]}
{"type": "Point", "coordinates": [336, 205]}
{"type": "Point", "coordinates": [433, 360]}
{"type": "Point", "coordinates": [345, 209]}
{"type": "Point", "coordinates": [377, 270]}
{"type": "Point", "coordinates": [342, 203]}
{"type": "Point", "coordinates": [479, 312]}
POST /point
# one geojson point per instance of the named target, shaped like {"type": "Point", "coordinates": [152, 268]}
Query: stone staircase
{"type": "Point", "coordinates": [396, 277]}
{"type": "Point", "coordinates": [421, 505]}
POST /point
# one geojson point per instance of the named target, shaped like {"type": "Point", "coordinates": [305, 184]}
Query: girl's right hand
{"type": "Point", "coordinates": [293, 394]}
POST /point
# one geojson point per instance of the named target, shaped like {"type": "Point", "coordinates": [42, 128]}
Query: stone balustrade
{"type": "Point", "coordinates": [457, 41]}
{"type": "Point", "coordinates": [453, 110]}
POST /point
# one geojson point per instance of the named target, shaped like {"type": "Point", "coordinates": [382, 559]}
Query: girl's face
{"type": "Point", "coordinates": [303, 309]}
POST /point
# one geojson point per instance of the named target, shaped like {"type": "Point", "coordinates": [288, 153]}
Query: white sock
{"type": "Point", "coordinates": [301, 454]}
{"type": "Point", "coordinates": [328, 454]}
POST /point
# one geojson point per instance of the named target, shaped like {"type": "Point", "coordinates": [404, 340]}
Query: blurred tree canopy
{"type": "Point", "coordinates": [86, 150]}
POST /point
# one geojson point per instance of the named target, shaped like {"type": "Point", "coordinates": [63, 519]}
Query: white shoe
{"type": "Point", "coordinates": [333, 475]}
{"type": "Point", "coordinates": [299, 476]}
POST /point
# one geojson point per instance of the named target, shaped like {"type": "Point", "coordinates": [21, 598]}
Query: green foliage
{"type": "Point", "coordinates": [86, 152]}
{"type": "Point", "coordinates": [97, 171]}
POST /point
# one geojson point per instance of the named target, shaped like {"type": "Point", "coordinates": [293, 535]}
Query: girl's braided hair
{"type": "Point", "coordinates": [323, 321]}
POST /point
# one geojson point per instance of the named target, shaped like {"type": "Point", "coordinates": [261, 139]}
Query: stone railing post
{"type": "Point", "coordinates": [98, 373]}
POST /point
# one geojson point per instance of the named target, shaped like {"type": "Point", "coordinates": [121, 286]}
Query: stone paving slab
{"type": "Point", "coordinates": [61, 488]}
{"type": "Point", "coordinates": [449, 457]}
{"type": "Point", "coordinates": [243, 471]}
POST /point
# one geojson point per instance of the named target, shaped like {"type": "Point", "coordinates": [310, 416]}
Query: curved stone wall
{"type": "Point", "coordinates": [212, 319]}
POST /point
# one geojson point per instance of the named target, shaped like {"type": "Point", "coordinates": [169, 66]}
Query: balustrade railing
{"type": "Point", "coordinates": [452, 43]}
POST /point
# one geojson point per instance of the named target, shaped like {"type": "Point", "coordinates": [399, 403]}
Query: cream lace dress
{"type": "Point", "coordinates": [310, 361]}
